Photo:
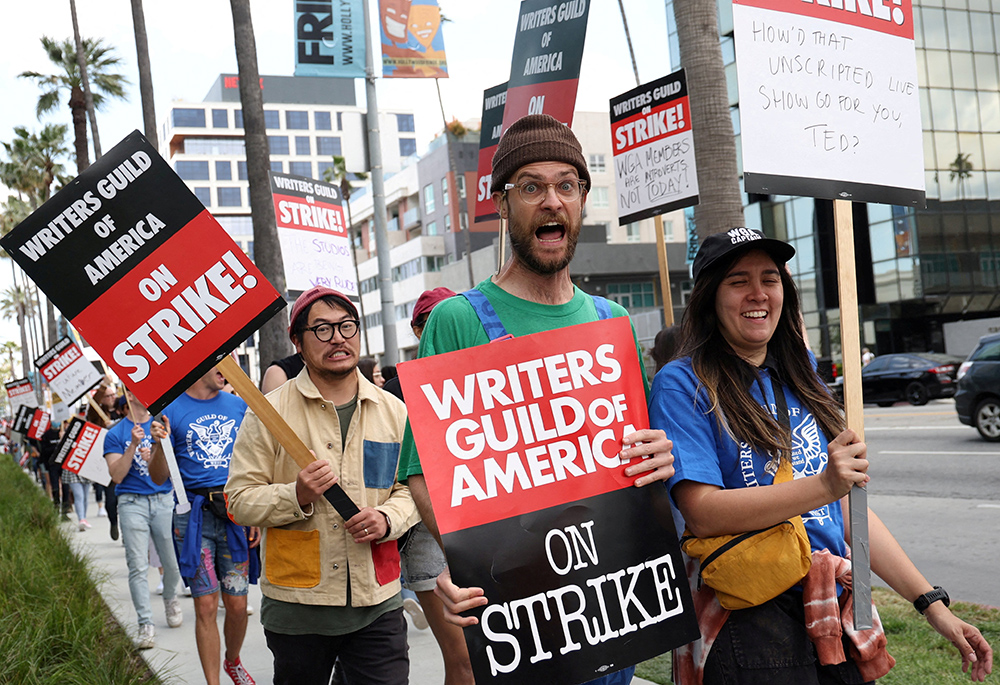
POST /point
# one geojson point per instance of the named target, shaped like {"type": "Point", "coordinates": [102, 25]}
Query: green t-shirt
{"type": "Point", "coordinates": [454, 325]}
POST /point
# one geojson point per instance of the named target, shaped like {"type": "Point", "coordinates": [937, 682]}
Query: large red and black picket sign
{"type": "Point", "coordinates": [520, 448]}
{"type": "Point", "coordinates": [67, 371]}
{"type": "Point", "coordinates": [39, 423]}
{"type": "Point", "coordinates": [143, 271]}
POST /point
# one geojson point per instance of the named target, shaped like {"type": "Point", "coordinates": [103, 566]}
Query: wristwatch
{"type": "Point", "coordinates": [925, 600]}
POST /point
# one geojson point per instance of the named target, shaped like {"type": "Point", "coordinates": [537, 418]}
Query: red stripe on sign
{"type": "Point", "coordinates": [61, 363]}
{"type": "Point", "coordinates": [484, 205]}
{"type": "Point", "coordinates": [176, 308]}
{"type": "Point", "coordinates": [82, 447]}
{"type": "Point", "coordinates": [660, 122]}
{"type": "Point", "coordinates": [298, 213]}
{"type": "Point", "coordinates": [894, 17]}
{"type": "Point", "coordinates": [555, 98]}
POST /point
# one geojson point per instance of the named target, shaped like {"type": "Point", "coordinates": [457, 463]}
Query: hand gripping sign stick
{"type": "Point", "coordinates": [850, 338]}
{"type": "Point", "coordinates": [286, 437]}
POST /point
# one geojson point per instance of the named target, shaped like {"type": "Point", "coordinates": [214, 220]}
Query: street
{"type": "Point", "coordinates": [936, 485]}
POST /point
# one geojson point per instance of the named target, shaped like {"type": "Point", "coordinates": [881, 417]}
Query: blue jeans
{"type": "Point", "coordinates": [143, 517]}
{"type": "Point", "coordinates": [79, 491]}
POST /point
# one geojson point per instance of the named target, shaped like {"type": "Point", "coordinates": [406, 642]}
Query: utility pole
{"type": "Point", "coordinates": [391, 353]}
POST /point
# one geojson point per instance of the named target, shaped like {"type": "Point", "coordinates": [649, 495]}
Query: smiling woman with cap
{"type": "Point", "coordinates": [759, 441]}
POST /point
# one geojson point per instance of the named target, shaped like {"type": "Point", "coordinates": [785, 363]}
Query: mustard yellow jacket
{"type": "Point", "coordinates": [307, 555]}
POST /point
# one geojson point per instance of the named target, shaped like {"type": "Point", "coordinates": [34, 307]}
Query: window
{"type": "Point", "coordinates": [220, 118]}
{"type": "Point", "coordinates": [404, 122]}
{"type": "Point", "coordinates": [297, 120]}
{"type": "Point", "coordinates": [277, 166]}
{"type": "Point", "coordinates": [434, 264]}
{"type": "Point", "coordinates": [463, 221]}
{"type": "Point", "coordinates": [192, 171]}
{"type": "Point", "coordinates": [237, 226]}
{"type": "Point", "coordinates": [321, 168]}
{"type": "Point", "coordinates": [241, 170]}
{"type": "Point", "coordinates": [321, 121]}
{"type": "Point", "coordinates": [302, 145]}
{"type": "Point", "coordinates": [340, 121]}
{"type": "Point", "coordinates": [596, 164]}
{"type": "Point", "coordinates": [429, 199]}
{"type": "Point", "coordinates": [405, 311]}
{"type": "Point", "coordinates": [460, 182]}
{"type": "Point", "coordinates": [238, 118]}
{"type": "Point", "coordinates": [407, 147]}
{"type": "Point", "coordinates": [447, 223]}
{"type": "Point", "coordinates": [632, 233]}
{"type": "Point", "coordinates": [223, 171]}
{"type": "Point", "coordinates": [632, 296]}
{"type": "Point", "coordinates": [407, 270]}
{"type": "Point", "coordinates": [271, 119]}
{"type": "Point", "coordinates": [301, 168]}
{"type": "Point", "coordinates": [369, 285]}
{"type": "Point", "coordinates": [190, 118]}
{"type": "Point", "coordinates": [204, 196]}
{"type": "Point", "coordinates": [229, 197]}
{"type": "Point", "coordinates": [444, 192]}
{"type": "Point", "coordinates": [373, 320]}
{"type": "Point", "coordinates": [432, 228]}
{"type": "Point", "coordinates": [278, 145]}
{"type": "Point", "coordinates": [599, 197]}
{"type": "Point", "coordinates": [327, 145]}
{"type": "Point", "coordinates": [214, 146]}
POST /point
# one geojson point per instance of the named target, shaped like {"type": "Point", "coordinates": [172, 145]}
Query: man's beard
{"type": "Point", "coordinates": [521, 243]}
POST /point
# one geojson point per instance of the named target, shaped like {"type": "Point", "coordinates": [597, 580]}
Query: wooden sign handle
{"type": "Point", "coordinates": [282, 432]}
{"type": "Point", "coordinates": [661, 258]}
{"type": "Point", "coordinates": [98, 409]}
{"type": "Point", "coordinates": [850, 345]}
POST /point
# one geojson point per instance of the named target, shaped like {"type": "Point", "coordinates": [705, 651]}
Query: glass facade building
{"type": "Point", "coordinates": [917, 268]}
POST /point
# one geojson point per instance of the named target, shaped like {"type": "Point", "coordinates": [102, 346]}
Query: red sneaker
{"type": "Point", "coordinates": [236, 671]}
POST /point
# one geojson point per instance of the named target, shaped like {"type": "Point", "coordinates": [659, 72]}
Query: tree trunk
{"type": "Point", "coordinates": [78, 106]}
{"type": "Point", "coordinates": [21, 323]}
{"type": "Point", "coordinates": [50, 316]}
{"type": "Point", "coordinates": [81, 61]}
{"type": "Point", "coordinates": [274, 342]}
{"type": "Point", "coordinates": [721, 204]}
{"type": "Point", "coordinates": [145, 74]}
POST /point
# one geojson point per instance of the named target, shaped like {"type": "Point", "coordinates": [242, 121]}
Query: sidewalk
{"type": "Point", "coordinates": [175, 657]}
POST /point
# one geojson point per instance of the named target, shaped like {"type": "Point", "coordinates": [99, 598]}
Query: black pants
{"type": "Point", "coordinates": [374, 655]}
{"type": "Point", "coordinates": [768, 645]}
{"type": "Point", "coordinates": [60, 490]}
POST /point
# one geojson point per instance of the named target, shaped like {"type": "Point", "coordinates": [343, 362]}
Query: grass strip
{"type": "Point", "coordinates": [922, 656]}
{"type": "Point", "coordinates": [54, 626]}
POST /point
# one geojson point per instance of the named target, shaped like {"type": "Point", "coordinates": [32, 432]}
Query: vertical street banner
{"type": "Point", "coordinates": [653, 148]}
{"type": "Point", "coordinates": [545, 68]}
{"type": "Point", "coordinates": [315, 245]}
{"type": "Point", "coordinates": [81, 451]}
{"type": "Point", "coordinates": [38, 424]}
{"type": "Point", "coordinates": [489, 137]}
{"type": "Point", "coordinates": [67, 371]}
{"type": "Point", "coordinates": [829, 102]}
{"type": "Point", "coordinates": [143, 271]}
{"type": "Point", "coordinates": [412, 43]}
{"type": "Point", "coordinates": [520, 450]}
{"type": "Point", "coordinates": [20, 393]}
{"type": "Point", "coordinates": [330, 38]}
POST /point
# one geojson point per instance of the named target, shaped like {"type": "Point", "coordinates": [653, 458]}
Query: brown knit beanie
{"type": "Point", "coordinates": [536, 138]}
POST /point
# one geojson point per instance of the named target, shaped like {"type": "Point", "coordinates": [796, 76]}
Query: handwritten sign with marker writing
{"type": "Point", "coordinates": [654, 149]}
{"type": "Point", "coordinates": [829, 104]}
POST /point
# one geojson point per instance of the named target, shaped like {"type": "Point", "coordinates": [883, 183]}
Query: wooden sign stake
{"type": "Point", "coordinates": [98, 409]}
{"type": "Point", "coordinates": [282, 432]}
{"type": "Point", "coordinates": [850, 342]}
{"type": "Point", "coordinates": [661, 258]}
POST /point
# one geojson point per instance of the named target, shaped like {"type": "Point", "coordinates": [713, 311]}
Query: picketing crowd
{"type": "Point", "coordinates": [743, 434]}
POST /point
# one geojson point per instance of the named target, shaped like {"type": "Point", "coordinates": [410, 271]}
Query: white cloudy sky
{"type": "Point", "coordinates": [191, 43]}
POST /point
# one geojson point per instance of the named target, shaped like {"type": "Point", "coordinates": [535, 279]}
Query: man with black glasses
{"type": "Point", "coordinates": [331, 588]}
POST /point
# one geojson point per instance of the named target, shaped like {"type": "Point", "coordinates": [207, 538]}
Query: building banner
{"type": "Point", "coordinates": [67, 371]}
{"type": "Point", "coordinates": [315, 245]}
{"type": "Point", "coordinates": [330, 38]}
{"type": "Point", "coordinates": [829, 103]}
{"type": "Point", "coordinates": [545, 68]}
{"type": "Point", "coordinates": [143, 272]}
{"type": "Point", "coordinates": [20, 393]}
{"type": "Point", "coordinates": [412, 43]}
{"type": "Point", "coordinates": [582, 570]}
{"type": "Point", "coordinates": [489, 138]}
{"type": "Point", "coordinates": [653, 147]}
{"type": "Point", "coordinates": [81, 451]}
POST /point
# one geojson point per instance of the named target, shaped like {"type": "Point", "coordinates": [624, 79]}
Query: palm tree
{"type": "Point", "coordinates": [274, 343]}
{"type": "Point", "coordinates": [34, 162]}
{"type": "Point", "coordinates": [101, 62]}
{"type": "Point", "coordinates": [961, 169]}
{"type": "Point", "coordinates": [339, 174]}
{"type": "Point", "coordinates": [17, 302]}
{"type": "Point", "coordinates": [145, 74]}
{"type": "Point", "coordinates": [721, 205]}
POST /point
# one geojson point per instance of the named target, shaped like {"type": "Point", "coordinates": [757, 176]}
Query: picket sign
{"type": "Point", "coordinates": [282, 432]}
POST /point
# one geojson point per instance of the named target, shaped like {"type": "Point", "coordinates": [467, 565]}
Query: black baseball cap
{"type": "Point", "coordinates": [716, 246]}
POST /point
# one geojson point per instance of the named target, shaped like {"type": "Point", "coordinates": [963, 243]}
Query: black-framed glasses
{"type": "Point", "coordinates": [324, 331]}
{"type": "Point", "coordinates": [533, 192]}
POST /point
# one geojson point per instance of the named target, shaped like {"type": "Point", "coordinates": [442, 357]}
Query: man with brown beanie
{"type": "Point", "coordinates": [539, 185]}
{"type": "Point", "coordinates": [331, 588]}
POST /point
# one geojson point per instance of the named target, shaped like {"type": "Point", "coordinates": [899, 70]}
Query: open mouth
{"type": "Point", "coordinates": [758, 314]}
{"type": "Point", "coordinates": [395, 28]}
{"type": "Point", "coordinates": [550, 233]}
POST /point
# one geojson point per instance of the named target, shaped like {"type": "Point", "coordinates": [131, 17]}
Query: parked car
{"type": "Point", "coordinates": [977, 400]}
{"type": "Point", "coordinates": [914, 377]}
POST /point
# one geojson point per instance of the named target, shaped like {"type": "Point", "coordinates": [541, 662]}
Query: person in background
{"type": "Point", "coordinates": [388, 373]}
{"type": "Point", "coordinates": [280, 371]}
{"type": "Point", "coordinates": [664, 346]}
{"type": "Point", "coordinates": [367, 366]}
{"type": "Point", "coordinates": [742, 402]}
{"type": "Point", "coordinates": [107, 399]}
{"type": "Point", "coordinates": [866, 356]}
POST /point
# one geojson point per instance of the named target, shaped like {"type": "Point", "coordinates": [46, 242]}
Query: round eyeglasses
{"type": "Point", "coordinates": [533, 192]}
{"type": "Point", "coordinates": [324, 331]}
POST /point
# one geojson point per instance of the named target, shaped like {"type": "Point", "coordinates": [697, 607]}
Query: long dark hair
{"type": "Point", "coordinates": [727, 378]}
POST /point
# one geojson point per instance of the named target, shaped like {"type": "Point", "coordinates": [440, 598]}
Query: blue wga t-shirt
{"type": "Point", "coordinates": [202, 433]}
{"type": "Point", "coordinates": [705, 453]}
{"type": "Point", "coordinates": [137, 481]}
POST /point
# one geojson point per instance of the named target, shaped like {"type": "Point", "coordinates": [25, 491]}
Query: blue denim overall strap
{"type": "Point", "coordinates": [492, 324]}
